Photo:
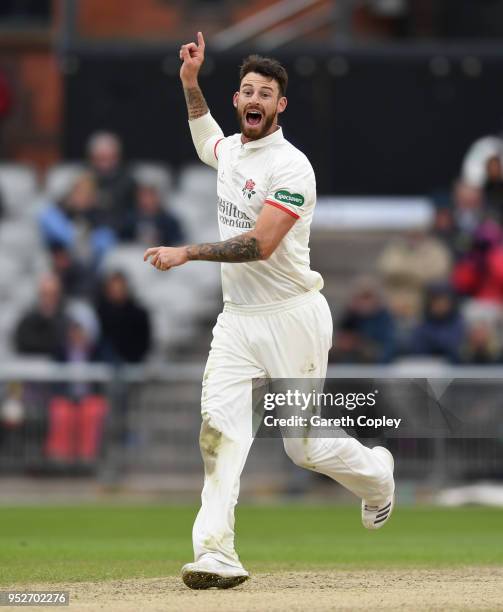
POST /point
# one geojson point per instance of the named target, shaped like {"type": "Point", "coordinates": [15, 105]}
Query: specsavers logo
{"type": "Point", "coordinates": [289, 198]}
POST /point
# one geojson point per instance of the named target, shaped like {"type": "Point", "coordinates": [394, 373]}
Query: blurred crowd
{"type": "Point", "coordinates": [103, 206]}
{"type": "Point", "coordinates": [83, 314]}
{"type": "Point", "coordinates": [437, 293]}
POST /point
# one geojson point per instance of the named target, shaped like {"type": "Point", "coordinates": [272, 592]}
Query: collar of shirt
{"type": "Point", "coordinates": [273, 138]}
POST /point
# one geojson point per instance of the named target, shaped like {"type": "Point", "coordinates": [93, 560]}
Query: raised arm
{"type": "Point", "coordinates": [259, 243]}
{"type": "Point", "coordinates": [192, 56]}
{"type": "Point", "coordinates": [204, 129]}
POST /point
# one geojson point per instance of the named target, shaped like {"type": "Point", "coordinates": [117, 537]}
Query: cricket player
{"type": "Point", "coordinates": [275, 321]}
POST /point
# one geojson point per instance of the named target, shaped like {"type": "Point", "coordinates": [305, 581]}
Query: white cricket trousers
{"type": "Point", "coordinates": [290, 339]}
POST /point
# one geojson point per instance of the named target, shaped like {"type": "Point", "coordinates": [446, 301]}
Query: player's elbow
{"type": "Point", "coordinates": [204, 151]}
{"type": "Point", "coordinates": [266, 245]}
{"type": "Point", "coordinates": [266, 250]}
{"type": "Point", "coordinates": [203, 156]}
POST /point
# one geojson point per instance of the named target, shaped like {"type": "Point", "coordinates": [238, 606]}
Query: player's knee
{"type": "Point", "coordinates": [298, 449]}
{"type": "Point", "coordinates": [210, 440]}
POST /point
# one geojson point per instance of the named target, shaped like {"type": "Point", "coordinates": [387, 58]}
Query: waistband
{"type": "Point", "coordinates": [258, 309]}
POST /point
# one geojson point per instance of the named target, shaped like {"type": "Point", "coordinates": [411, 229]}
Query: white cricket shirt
{"type": "Point", "coordinates": [269, 171]}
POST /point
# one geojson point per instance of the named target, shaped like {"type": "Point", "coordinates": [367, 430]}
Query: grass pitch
{"type": "Point", "coordinates": [96, 543]}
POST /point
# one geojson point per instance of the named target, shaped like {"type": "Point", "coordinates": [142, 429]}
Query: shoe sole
{"type": "Point", "coordinates": [207, 580]}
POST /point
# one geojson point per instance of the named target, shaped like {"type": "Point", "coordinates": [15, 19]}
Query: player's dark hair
{"type": "Point", "coordinates": [266, 66]}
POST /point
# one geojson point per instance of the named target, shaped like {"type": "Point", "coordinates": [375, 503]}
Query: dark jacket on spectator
{"type": "Point", "coordinates": [125, 330]}
{"type": "Point", "coordinates": [161, 228]}
{"type": "Point", "coordinates": [37, 334]}
{"type": "Point", "coordinates": [441, 333]}
{"type": "Point", "coordinates": [375, 336]}
{"type": "Point", "coordinates": [378, 331]}
{"type": "Point", "coordinates": [116, 194]}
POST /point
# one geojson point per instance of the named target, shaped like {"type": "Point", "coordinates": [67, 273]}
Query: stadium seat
{"type": "Point", "coordinates": [59, 179]}
{"type": "Point", "coordinates": [18, 186]}
{"type": "Point", "coordinates": [10, 272]}
{"type": "Point", "coordinates": [81, 311]}
{"type": "Point", "coordinates": [129, 259]}
{"type": "Point", "coordinates": [23, 293]}
{"type": "Point", "coordinates": [16, 233]}
{"type": "Point", "coordinates": [157, 174]}
{"type": "Point", "coordinates": [198, 180]}
{"type": "Point", "coordinates": [198, 215]}
{"type": "Point", "coordinates": [33, 260]}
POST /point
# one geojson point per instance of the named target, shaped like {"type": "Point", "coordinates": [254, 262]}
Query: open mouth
{"type": "Point", "coordinates": [253, 117]}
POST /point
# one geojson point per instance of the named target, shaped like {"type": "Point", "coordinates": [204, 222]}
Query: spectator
{"type": "Point", "coordinates": [124, 323]}
{"type": "Point", "coordinates": [493, 188]}
{"type": "Point", "coordinates": [407, 265]}
{"type": "Point", "coordinates": [79, 345]}
{"type": "Point", "coordinates": [474, 168]}
{"type": "Point", "coordinates": [366, 331]}
{"type": "Point", "coordinates": [77, 411]}
{"type": "Point", "coordinates": [76, 225]}
{"type": "Point", "coordinates": [468, 207]}
{"type": "Point", "coordinates": [479, 273]}
{"type": "Point", "coordinates": [457, 217]}
{"type": "Point", "coordinates": [116, 186]}
{"type": "Point", "coordinates": [481, 346]}
{"type": "Point", "coordinates": [76, 279]}
{"type": "Point", "coordinates": [441, 332]}
{"type": "Point", "coordinates": [150, 223]}
{"type": "Point", "coordinates": [41, 329]}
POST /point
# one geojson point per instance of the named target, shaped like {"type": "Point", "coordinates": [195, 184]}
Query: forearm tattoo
{"type": "Point", "coordinates": [235, 250]}
{"type": "Point", "coordinates": [196, 104]}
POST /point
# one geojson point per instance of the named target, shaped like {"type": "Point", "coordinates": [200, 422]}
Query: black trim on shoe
{"type": "Point", "coordinates": [380, 514]}
{"type": "Point", "coordinates": [385, 508]}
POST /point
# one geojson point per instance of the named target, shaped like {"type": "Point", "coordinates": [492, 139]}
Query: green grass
{"type": "Point", "coordinates": [44, 544]}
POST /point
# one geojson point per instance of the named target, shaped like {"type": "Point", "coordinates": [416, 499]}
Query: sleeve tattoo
{"type": "Point", "coordinates": [196, 104]}
{"type": "Point", "coordinates": [239, 249]}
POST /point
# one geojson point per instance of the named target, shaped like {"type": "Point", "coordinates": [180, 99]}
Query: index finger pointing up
{"type": "Point", "coordinates": [200, 40]}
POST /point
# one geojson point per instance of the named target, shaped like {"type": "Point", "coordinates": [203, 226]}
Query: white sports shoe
{"type": "Point", "coordinates": [375, 517]}
{"type": "Point", "coordinates": [207, 573]}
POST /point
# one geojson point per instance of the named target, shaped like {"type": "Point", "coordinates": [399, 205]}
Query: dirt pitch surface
{"type": "Point", "coordinates": [320, 591]}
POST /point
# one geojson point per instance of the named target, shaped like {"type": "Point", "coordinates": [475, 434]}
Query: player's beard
{"type": "Point", "coordinates": [251, 132]}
